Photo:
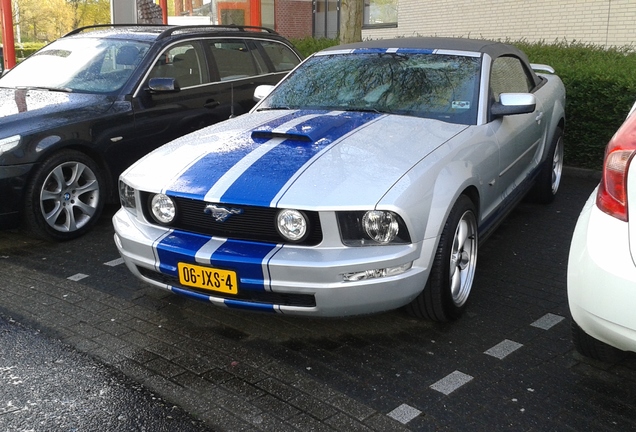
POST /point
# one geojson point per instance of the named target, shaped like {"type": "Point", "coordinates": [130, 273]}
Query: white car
{"type": "Point", "coordinates": [601, 266]}
{"type": "Point", "coordinates": [363, 182]}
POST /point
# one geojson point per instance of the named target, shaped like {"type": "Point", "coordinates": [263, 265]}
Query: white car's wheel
{"type": "Point", "coordinates": [594, 348]}
{"type": "Point", "coordinates": [451, 279]}
{"type": "Point", "coordinates": [64, 199]}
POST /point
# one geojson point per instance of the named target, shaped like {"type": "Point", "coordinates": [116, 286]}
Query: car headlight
{"type": "Point", "coordinates": [9, 143]}
{"type": "Point", "coordinates": [292, 225]}
{"type": "Point", "coordinates": [127, 196]}
{"type": "Point", "coordinates": [162, 208]}
{"type": "Point", "coordinates": [381, 226]}
{"type": "Point", "coordinates": [373, 227]}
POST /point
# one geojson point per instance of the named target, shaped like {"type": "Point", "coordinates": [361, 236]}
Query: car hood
{"type": "Point", "coordinates": [28, 109]}
{"type": "Point", "coordinates": [301, 159]}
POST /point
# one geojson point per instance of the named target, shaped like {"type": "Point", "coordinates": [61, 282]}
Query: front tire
{"type": "Point", "coordinates": [65, 197]}
{"type": "Point", "coordinates": [451, 279]}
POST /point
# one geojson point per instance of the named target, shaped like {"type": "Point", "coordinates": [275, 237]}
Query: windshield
{"type": "Point", "coordinates": [87, 65]}
{"type": "Point", "coordinates": [420, 84]}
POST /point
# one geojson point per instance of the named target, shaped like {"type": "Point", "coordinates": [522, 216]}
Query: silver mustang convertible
{"type": "Point", "coordinates": [363, 182]}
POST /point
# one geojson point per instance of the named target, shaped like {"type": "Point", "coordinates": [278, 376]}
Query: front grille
{"type": "Point", "coordinates": [254, 223]}
{"type": "Point", "coordinates": [266, 297]}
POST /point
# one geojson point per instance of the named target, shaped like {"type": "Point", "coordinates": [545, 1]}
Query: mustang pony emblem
{"type": "Point", "coordinates": [220, 214]}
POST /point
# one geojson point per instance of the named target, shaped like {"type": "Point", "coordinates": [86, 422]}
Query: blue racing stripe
{"type": "Point", "coordinates": [257, 307]}
{"type": "Point", "coordinates": [203, 174]}
{"type": "Point", "coordinates": [386, 50]}
{"type": "Point", "coordinates": [262, 181]}
{"type": "Point", "coordinates": [178, 247]}
{"type": "Point", "coordinates": [191, 294]}
{"type": "Point", "coordinates": [246, 258]}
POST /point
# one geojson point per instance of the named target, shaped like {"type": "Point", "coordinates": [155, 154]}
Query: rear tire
{"type": "Point", "coordinates": [594, 348]}
{"type": "Point", "coordinates": [65, 197]}
{"type": "Point", "coordinates": [451, 279]}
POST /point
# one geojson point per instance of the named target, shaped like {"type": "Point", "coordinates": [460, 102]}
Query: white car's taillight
{"type": "Point", "coordinates": [612, 192]}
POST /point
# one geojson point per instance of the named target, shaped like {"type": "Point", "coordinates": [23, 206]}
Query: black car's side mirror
{"type": "Point", "coordinates": [163, 85]}
{"type": "Point", "coordinates": [513, 103]}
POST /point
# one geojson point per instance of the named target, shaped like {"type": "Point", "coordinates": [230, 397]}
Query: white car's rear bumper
{"type": "Point", "coordinates": [601, 282]}
{"type": "Point", "coordinates": [274, 274]}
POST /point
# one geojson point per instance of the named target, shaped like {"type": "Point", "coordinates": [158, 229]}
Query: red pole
{"type": "Point", "coordinates": [164, 10]}
{"type": "Point", "coordinates": [7, 34]}
{"type": "Point", "coordinates": [255, 13]}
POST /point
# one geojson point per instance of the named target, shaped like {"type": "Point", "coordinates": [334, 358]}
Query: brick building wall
{"type": "Point", "coordinates": [294, 18]}
{"type": "Point", "coordinates": [600, 22]}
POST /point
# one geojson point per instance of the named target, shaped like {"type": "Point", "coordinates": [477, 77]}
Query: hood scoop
{"type": "Point", "coordinates": [310, 131]}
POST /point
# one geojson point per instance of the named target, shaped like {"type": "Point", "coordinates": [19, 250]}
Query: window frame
{"type": "Point", "coordinates": [366, 16]}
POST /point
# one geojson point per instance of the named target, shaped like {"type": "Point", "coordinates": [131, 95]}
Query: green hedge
{"type": "Point", "coordinates": [600, 85]}
{"type": "Point", "coordinates": [600, 89]}
{"type": "Point", "coordinates": [27, 49]}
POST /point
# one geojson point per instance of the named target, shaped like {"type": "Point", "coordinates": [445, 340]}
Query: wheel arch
{"type": "Point", "coordinates": [88, 150]}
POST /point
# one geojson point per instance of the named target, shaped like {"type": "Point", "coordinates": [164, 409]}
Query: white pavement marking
{"type": "Point", "coordinates": [547, 321]}
{"type": "Point", "coordinates": [404, 413]}
{"type": "Point", "coordinates": [77, 277]}
{"type": "Point", "coordinates": [114, 262]}
{"type": "Point", "coordinates": [502, 349]}
{"type": "Point", "coordinates": [451, 382]}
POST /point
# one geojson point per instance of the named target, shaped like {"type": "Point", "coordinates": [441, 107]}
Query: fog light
{"type": "Point", "coordinates": [163, 208]}
{"type": "Point", "coordinates": [376, 273]}
{"type": "Point", "coordinates": [292, 225]}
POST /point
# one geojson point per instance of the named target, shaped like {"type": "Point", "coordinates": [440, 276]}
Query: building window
{"type": "Point", "coordinates": [380, 13]}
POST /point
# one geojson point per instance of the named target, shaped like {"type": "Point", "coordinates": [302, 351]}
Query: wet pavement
{"type": "Point", "coordinates": [508, 364]}
{"type": "Point", "coordinates": [47, 386]}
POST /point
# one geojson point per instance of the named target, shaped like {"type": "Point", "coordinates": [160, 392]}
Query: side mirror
{"type": "Point", "coordinates": [262, 91]}
{"type": "Point", "coordinates": [514, 103]}
{"type": "Point", "coordinates": [163, 85]}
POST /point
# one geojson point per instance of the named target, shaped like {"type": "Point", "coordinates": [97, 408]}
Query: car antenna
{"type": "Point", "coordinates": [232, 100]}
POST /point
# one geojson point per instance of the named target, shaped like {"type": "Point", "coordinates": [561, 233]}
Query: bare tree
{"type": "Point", "coordinates": [351, 15]}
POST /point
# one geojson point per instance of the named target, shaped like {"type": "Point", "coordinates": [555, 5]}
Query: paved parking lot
{"type": "Point", "coordinates": [508, 364]}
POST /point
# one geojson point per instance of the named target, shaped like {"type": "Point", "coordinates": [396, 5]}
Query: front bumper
{"type": "Point", "coordinates": [286, 279]}
{"type": "Point", "coordinates": [601, 282]}
{"type": "Point", "coordinates": [13, 180]}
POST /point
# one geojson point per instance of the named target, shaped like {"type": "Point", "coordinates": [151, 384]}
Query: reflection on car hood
{"type": "Point", "coordinates": [304, 159]}
{"type": "Point", "coordinates": [28, 106]}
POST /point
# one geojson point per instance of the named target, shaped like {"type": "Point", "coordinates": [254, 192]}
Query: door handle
{"type": "Point", "coordinates": [539, 117]}
{"type": "Point", "coordinates": [212, 104]}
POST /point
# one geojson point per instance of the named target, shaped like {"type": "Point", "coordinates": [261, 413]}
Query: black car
{"type": "Point", "coordinates": [78, 112]}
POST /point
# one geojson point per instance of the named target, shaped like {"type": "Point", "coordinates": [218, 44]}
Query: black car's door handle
{"type": "Point", "coordinates": [212, 104]}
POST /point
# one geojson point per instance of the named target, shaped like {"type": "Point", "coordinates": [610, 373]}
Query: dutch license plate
{"type": "Point", "coordinates": [208, 278]}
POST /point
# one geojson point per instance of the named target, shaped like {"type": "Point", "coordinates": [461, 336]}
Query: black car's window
{"type": "Point", "coordinates": [421, 84]}
{"type": "Point", "coordinates": [87, 65]}
{"type": "Point", "coordinates": [509, 76]}
{"type": "Point", "coordinates": [184, 62]}
{"type": "Point", "coordinates": [234, 59]}
{"type": "Point", "coordinates": [282, 58]}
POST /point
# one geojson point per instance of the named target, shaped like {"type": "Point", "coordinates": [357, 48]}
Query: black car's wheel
{"type": "Point", "coordinates": [549, 178]}
{"type": "Point", "coordinates": [451, 279]}
{"type": "Point", "coordinates": [64, 198]}
{"type": "Point", "coordinates": [594, 348]}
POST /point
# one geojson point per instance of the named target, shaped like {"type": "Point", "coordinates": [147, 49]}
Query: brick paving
{"type": "Point", "coordinates": [508, 364]}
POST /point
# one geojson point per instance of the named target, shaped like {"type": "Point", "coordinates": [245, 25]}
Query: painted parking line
{"type": "Point", "coordinates": [503, 349]}
{"type": "Point", "coordinates": [114, 262]}
{"type": "Point", "coordinates": [404, 413]}
{"type": "Point", "coordinates": [451, 382]}
{"type": "Point", "coordinates": [547, 321]}
{"type": "Point", "coordinates": [77, 277]}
